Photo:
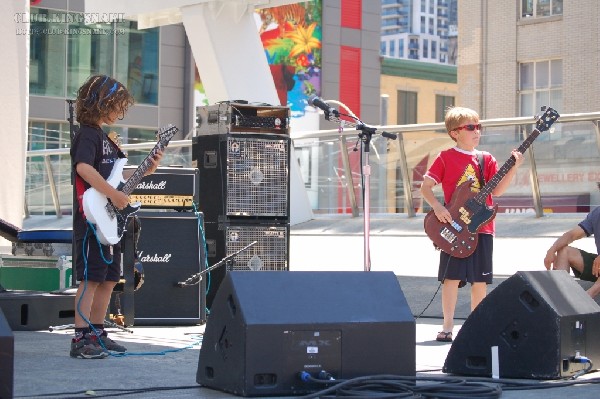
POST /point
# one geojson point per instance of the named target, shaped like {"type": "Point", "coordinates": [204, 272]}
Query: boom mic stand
{"type": "Point", "coordinates": [196, 278]}
{"type": "Point", "coordinates": [365, 136]}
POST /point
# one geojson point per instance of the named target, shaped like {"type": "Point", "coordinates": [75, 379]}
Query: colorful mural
{"type": "Point", "coordinates": [291, 36]}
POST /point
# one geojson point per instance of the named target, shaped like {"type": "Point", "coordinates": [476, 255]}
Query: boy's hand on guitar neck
{"type": "Point", "coordinates": [519, 158]}
{"type": "Point", "coordinates": [155, 162]}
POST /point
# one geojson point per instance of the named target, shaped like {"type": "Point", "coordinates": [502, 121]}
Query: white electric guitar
{"type": "Point", "coordinates": [110, 221]}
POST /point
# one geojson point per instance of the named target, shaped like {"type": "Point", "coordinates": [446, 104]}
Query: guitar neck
{"type": "Point", "coordinates": [139, 173]}
{"type": "Point", "coordinates": [491, 185]}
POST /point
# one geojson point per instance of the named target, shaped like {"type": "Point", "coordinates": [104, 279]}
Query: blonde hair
{"type": "Point", "coordinates": [456, 115]}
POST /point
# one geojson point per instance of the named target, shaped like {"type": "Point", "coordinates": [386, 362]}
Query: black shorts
{"type": "Point", "coordinates": [588, 262]}
{"type": "Point", "coordinates": [98, 269]}
{"type": "Point", "coordinates": [476, 268]}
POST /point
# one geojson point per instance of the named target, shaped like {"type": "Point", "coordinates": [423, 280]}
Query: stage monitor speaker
{"type": "Point", "coordinates": [171, 249]}
{"type": "Point", "coordinates": [243, 176]}
{"type": "Point", "coordinates": [266, 328]}
{"type": "Point", "coordinates": [539, 321]}
{"type": "Point", "coordinates": [270, 253]}
{"type": "Point", "coordinates": [7, 358]}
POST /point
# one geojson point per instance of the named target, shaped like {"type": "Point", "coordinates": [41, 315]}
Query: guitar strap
{"type": "Point", "coordinates": [481, 175]}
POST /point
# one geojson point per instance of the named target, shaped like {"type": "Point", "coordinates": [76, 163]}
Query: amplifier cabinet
{"type": "Point", "coordinates": [171, 249]}
{"type": "Point", "coordinates": [270, 253]}
{"type": "Point", "coordinates": [232, 117]}
{"type": "Point", "coordinates": [243, 176]}
{"type": "Point", "coordinates": [167, 188]}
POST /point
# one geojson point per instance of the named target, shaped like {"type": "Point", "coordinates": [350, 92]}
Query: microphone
{"type": "Point", "coordinates": [317, 102]}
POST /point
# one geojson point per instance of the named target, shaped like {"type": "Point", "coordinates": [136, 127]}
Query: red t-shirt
{"type": "Point", "coordinates": [454, 166]}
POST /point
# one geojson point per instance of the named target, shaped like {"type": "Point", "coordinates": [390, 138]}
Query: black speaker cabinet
{"type": "Point", "coordinates": [266, 328]}
{"type": "Point", "coordinates": [171, 249]}
{"type": "Point", "coordinates": [270, 253]}
{"type": "Point", "coordinates": [539, 321]}
{"type": "Point", "coordinates": [7, 358]}
{"type": "Point", "coordinates": [243, 175]}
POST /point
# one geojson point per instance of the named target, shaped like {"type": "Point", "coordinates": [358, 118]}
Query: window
{"type": "Point", "coordinates": [441, 105]}
{"type": "Point", "coordinates": [382, 48]}
{"type": "Point", "coordinates": [87, 54]}
{"type": "Point", "coordinates": [401, 48]}
{"type": "Point", "coordinates": [392, 48]}
{"type": "Point", "coordinates": [540, 84]}
{"type": "Point", "coordinates": [425, 48]}
{"type": "Point", "coordinates": [47, 54]}
{"type": "Point", "coordinates": [407, 107]}
{"type": "Point", "coordinates": [62, 56]}
{"type": "Point", "coordinates": [137, 62]}
{"type": "Point", "coordinates": [433, 49]}
{"type": "Point", "coordinates": [540, 8]}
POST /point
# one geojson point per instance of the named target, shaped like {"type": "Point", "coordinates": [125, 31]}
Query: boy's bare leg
{"type": "Point", "coordinates": [449, 298]}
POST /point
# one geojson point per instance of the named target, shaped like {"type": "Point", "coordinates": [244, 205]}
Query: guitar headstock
{"type": "Point", "coordinates": [167, 132]}
{"type": "Point", "coordinates": [546, 120]}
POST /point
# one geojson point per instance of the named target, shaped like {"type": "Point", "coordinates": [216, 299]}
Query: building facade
{"type": "Point", "coordinates": [516, 57]}
{"type": "Point", "coordinates": [419, 30]}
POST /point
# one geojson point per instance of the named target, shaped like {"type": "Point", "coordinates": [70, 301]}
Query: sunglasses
{"type": "Point", "coordinates": [470, 128]}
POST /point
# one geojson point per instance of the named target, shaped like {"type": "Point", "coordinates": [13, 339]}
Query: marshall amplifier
{"type": "Point", "coordinates": [167, 188]}
{"type": "Point", "coordinates": [233, 117]}
{"type": "Point", "coordinates": [171, 249]}
{"type": "Point", "coordinates": [244, 176]}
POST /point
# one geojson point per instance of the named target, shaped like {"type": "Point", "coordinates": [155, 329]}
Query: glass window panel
{"type": "Point", "coordinates": [88, 54]}
{"type": "Point", "coordinates": [526, 76]}
{"type": "Point", "coordinates": [556, 70]}
{"type": "Point", "coordinates": [47, 54]}
{"type": "Point", "coordinates": [527, 8]}
{"type": "Point", "coordinates": [527, 104]}
{"type": "Point", "coordinates": [137, 62]}
{"type": "Point", "coordinates": [557, 6]}
{"type": "Point", "coordinates": [543, 8]}
{"type": "Point", "coordinates": [541, 98]}
{"type": "Point", "coordinates": [542, 75]}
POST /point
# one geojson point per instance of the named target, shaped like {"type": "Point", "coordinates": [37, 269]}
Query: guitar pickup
{"type": "Point", "coordinates": [448, 235]}
{"type": "Point", "coordinates": [456, 226]}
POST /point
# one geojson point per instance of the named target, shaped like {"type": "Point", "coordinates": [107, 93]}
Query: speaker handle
{"type": "Point", "coordinates": [196, 278]}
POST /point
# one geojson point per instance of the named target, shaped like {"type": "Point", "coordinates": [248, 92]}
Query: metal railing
{"type": "Point", "coordinates": [560, 174]}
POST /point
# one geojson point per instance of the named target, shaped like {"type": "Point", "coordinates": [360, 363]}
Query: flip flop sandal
{"type": "Point", "coordinates": [444, 336]}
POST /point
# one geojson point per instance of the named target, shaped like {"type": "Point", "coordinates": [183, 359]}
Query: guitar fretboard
{"type": "Point", "coordinates": [543, 123]}
{"type": "Point", "coordinates": [165, 134]}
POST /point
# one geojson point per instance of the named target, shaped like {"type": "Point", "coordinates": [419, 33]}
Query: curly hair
{"type": "Point", "coordinates": [98, 97]}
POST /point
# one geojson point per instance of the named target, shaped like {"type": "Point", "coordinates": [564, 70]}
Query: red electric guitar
{"type": "Point", "coordinates": [468, 209]}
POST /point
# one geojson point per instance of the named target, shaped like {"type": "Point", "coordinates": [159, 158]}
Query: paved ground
{"type": "Point", "coordinates": [167, 357]}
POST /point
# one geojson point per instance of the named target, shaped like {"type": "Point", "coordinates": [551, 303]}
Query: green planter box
{"type": "Point", "coordinates": [35, 273]}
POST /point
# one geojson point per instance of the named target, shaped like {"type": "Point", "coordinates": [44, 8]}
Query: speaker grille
{"type": "Point", "coordinates": [269, 252]}
{"type": "Point", "coordinates": [257, 177]}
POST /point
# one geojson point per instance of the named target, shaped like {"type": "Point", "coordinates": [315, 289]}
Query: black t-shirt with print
{"type": "Point", "coordinates": [93, 147]}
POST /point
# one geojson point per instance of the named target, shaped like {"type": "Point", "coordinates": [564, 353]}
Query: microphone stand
{"type": "Point", "coordinates": [365, 136]}
{"type": "Point", "coordinates": [72, 133]}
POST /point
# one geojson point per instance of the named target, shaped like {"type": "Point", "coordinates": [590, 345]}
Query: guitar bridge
{"type": "Point", "coordinates": [448, 235]}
